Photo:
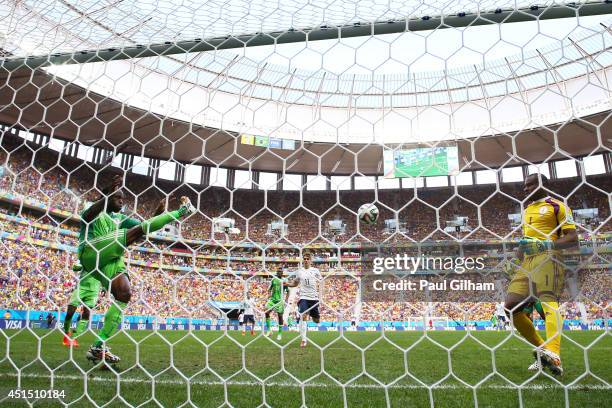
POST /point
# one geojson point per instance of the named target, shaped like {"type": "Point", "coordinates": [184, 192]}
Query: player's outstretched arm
{"type": "Point", "coordinates": [96, 208]}
{"type": "Point", "coordinates": [569, 239]}
{"type": "Point", "coordinates": [157, 222]}
{"type": "Point", "coordinates": [533, 246]}
{"type": "Point", "coordinates": [129, 223]}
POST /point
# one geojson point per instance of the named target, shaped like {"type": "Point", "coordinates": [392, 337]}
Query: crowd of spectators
{"type": "Point", "coordinates": [39, 278]}
{"type": "Point", "coordinates": [423, 212]}
{"type": "Point", "coordinates": [36, 277]}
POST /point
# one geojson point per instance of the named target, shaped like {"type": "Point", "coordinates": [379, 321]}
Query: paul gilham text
{"type": "Point", "coordinates": [425, 285]}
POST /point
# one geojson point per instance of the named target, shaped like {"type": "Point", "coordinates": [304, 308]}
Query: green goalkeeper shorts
{"type": "Point", "coordinates": [102, 257]}
{"type": "Point", "coordinates": [86, 293]}
{"type": "Point", "coordinates": [274, 305]}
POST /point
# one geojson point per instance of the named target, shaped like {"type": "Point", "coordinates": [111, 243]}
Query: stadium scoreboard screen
{"type": "Point", "coordinates": [421, 162]}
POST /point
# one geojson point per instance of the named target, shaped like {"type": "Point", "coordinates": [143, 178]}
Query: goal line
{"type": "Point", "coordinates": [287, 384]}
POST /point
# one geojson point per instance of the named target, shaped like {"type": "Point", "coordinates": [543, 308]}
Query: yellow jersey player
{"type": "Point", "coordinates": [548, 228]}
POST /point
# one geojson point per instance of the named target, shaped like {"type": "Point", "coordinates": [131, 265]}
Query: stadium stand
{"type": "Point", "coordinates": [204, 271]}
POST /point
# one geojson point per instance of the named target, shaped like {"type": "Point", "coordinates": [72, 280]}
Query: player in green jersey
{"type": "Point", "coordinates": [104, 236]}
{"type": "Point", "coordinates": [276, 302]}
{"type": "Point", "coordinates": [88, 288]}
{"type": "Point", "coordinates": [85, 293]}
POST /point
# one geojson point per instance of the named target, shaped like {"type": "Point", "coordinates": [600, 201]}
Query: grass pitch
{"type": "Point", "coordinates": [364, 369]}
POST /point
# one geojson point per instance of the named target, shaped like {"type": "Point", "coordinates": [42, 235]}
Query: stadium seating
{"type": "Point", "coordinates": [37, 259]}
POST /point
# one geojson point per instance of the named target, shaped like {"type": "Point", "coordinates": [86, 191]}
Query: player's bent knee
{"type": "Point", "coordinates": [513, 303]}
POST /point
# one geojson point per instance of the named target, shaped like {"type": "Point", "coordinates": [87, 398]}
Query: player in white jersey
{"type": "Point", "coordinates": [308, 278]}
{"type": "Point", "coordinates": [500, 312]}
{"type": "Point", "coordinates": [249, 315]}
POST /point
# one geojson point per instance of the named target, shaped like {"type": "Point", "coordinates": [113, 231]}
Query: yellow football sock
{"type": "Point", "coordinates": [525, 326]}
{"type": "Point", "coordinates": [554, 325]}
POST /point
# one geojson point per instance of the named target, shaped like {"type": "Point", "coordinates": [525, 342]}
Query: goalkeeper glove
{"type": "Point", "coordinates": [534, 246]}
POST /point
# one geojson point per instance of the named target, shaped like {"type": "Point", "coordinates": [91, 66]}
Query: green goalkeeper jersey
{"type": "Point", "coordinates": [104, 224]}
{"type": "Point", "coordinates": [277, 288]}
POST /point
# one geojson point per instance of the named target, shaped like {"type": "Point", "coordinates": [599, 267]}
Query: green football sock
{"type": "Point", "coordinates": [267, 324]}
{"type": "Point", "coordinates": [112, 320]}
{"type": "Point", "coordinates": [81, 327]}
{"type": "Point", "coordinates": [158, 222]}
{"type": "Point", "coordinates": [67, 325]}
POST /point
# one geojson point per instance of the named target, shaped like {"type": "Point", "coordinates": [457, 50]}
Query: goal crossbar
{"type": "Point", "coordinates": [309, 34]}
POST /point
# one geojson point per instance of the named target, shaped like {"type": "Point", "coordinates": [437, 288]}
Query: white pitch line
{"type": "Point", "coordinates": [585, 387]}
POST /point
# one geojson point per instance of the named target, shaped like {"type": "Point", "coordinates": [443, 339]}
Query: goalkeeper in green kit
{"type": "Point", "coordinates": [87, 291]}
{"type": "Point", "coordinates": [104, 236]}
{"type": "Point", "coordinates": [276, 302]}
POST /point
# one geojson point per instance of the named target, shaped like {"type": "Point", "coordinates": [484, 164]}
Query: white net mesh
{"type": "Point", "coordinates": [278, 120]}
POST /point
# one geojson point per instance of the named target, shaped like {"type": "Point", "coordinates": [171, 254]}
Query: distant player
{"type": "Point", "coordinates": [548, 228]}
{"type": "Point", "coordinates": [248, 315]}
{"type": "Point", "coordinates": [104, 236]}
{"type": "Point", "coordinates": [290, 320]}
{"type": "Point", "coordinates": [500, 316]}
{"type": "Point", "coordinates": [309, 279]}
{"type": "Point", "coordinates": [276, 303]}
{"type": "Point", "coordinates": [355, 315]}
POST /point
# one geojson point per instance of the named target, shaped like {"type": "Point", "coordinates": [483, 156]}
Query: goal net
{"type": "Point", "coordinates": [180, 185]}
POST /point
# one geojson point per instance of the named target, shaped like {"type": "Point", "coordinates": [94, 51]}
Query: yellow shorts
{"type": "Point", "coordinates": [539, 275]}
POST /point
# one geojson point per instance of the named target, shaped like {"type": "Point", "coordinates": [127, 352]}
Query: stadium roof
{"type": "Point", "coordinates": [119, 23]}
{"type": "Point", "coordinates": [51, 26]}
{"type": "Point", "coordinates": [153, 106]}
{"type": "Point", "coordinates": [64, 110]}
{"type": "Point", "coordinates": [554, 63]}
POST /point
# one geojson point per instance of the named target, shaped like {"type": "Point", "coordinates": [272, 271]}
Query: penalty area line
{"type": "Point", "coordinates": [584, 387]}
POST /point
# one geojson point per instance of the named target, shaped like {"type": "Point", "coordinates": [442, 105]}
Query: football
{"type": "Point", "coordinates": [368, 213]}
